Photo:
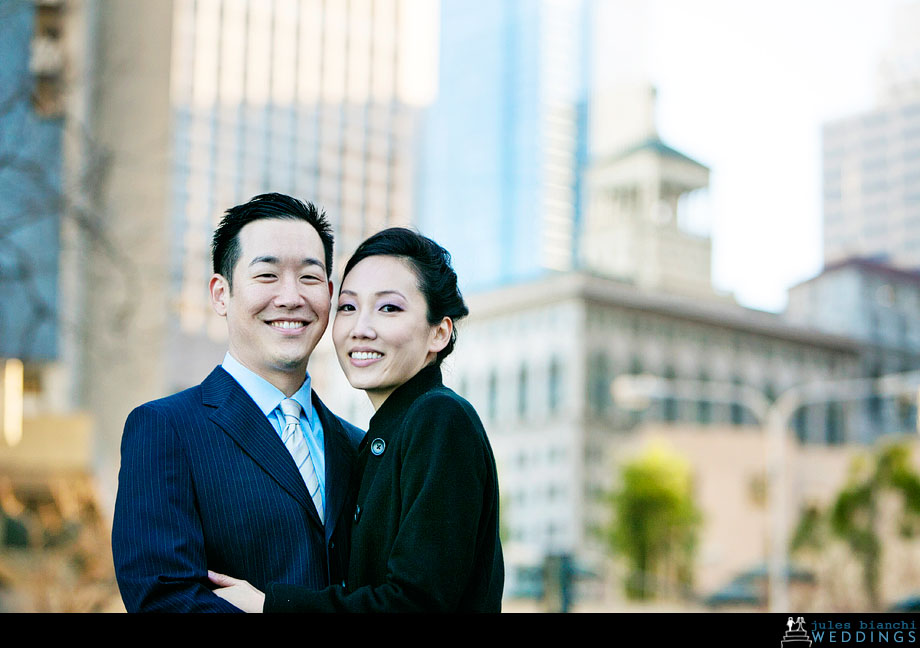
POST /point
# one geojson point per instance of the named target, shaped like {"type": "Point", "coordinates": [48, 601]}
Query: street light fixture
{"type": "Point", "coordinates": [636, 391]}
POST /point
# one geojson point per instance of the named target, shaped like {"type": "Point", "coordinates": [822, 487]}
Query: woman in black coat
{"type": "Point", "coordinates": [425, 532]}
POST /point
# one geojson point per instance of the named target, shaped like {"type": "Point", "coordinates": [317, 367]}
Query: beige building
{"type": "Point", "coordinates": [537, 361]}
{"type": "Point", "coordinates": [729, 474]}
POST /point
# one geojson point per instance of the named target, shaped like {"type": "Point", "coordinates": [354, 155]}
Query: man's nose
{"type": "Point", "coordinates": [289, 294]}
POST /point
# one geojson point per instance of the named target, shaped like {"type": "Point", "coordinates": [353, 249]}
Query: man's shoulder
{"type": "Point", "coordinates": [211, 388]}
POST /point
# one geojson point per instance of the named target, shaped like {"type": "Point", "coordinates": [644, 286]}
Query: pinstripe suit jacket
{"type": "Point", "coordinates": [205, 483]}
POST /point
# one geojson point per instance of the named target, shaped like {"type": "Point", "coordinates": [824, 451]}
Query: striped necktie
{"type": "Point", "coordinates": [297, 446]}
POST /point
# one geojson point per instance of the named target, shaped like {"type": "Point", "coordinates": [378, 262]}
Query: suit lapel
{"type": "Point", "coordinates": [239, 417]}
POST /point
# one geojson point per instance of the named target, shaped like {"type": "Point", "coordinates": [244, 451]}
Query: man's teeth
{"type": "Point", "coordinates": [287, 325]}
{"type": "Point", "coordinates": [365, 355]}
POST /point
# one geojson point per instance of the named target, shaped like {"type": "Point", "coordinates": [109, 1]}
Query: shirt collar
{"type": "Point", "coordinates": [266, 396]}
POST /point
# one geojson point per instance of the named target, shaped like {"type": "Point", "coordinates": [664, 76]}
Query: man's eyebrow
{"type": "Point", "coordinates": [276, 261]}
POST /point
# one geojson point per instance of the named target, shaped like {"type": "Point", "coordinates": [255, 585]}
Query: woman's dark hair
{"type": "Point", "coordinates": [435, 276]}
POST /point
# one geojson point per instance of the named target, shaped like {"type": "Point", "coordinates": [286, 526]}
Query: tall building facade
{"type": "Point", "coordinates": [314, 98]}
{"type": "Point", "coordinates": [505, 139]}
{"type": "Point", "coordinates": [872, 163]}
{"type": "Point", "coordinates": [84, 121]}
{"type": "Point", "coordinates": [31, 178]}
{"type": "Point", "coordinates": [872, 186]}
{"type": "Point", "coordinates": [84, 130]}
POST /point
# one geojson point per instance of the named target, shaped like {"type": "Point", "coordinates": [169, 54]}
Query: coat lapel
{"type": "Point", "coordinates": [339, 464]}
{"type": "Point", "coordinates": [239, 417]}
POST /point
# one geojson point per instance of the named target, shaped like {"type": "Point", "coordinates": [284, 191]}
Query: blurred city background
{"type": "Point", "coordinates": [688, 232]}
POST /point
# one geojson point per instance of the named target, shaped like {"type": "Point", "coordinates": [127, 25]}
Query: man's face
{"type": "Point", "coordinates": [279, 306]}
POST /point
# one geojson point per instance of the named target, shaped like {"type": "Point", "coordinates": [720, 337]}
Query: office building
{"type": "Point", "coordinates": [878, 306]}
{"type": "Point", "coordinates": [31, 179]}
{"type": "Point", "coordinates": [314, 98]}
{"type": "Point", "coordinates": [872, 163]}
{"type": "Point", "coordinates": [505, 139]}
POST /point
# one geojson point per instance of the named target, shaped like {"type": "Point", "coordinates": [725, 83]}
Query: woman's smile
{"type": "Point", "coordinates": [381, 331]}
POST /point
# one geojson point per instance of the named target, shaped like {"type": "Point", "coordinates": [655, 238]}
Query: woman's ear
{"type": "Point", "coordinates": [441, 335]}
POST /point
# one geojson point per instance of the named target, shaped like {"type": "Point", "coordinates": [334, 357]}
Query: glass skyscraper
{"type": "Point", "coordinates": [506, 138]}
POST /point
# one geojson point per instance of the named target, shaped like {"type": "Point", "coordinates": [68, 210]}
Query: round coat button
{"type": "Point", "coordinates": [378, 446]}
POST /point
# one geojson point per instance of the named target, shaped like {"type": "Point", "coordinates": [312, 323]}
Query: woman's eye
{"type": "Point", "coordinates": [346, 308]}
{"type": "Point", "coordinates": [390, 308]}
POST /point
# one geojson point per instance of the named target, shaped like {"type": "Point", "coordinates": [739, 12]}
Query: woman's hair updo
{"type": "Point", "coordinates": [436, 278]}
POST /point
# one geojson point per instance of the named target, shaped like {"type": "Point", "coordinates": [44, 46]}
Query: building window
{"type": "Point", "coordinates": [704, 407]}
{"type": "Point", "coordinates": [599, 384]}
{"type": "Point", "coordinates": [833, 422]}
{"type": "Point", "coordinates": [554, 386]}
{"type": "Point", "coordinates": [522, 392]}
{"type": "Point", "coordinates": [47, 58]}
{"type": "Point", "coordinates": [492, 407]}
{"type": "Point", "coordinates": [801, 424]}
{"type": "Point", "coordinates": [875, 402]}
{"type": "Point", "coordinates": [670, 403]}
{"type": "Point", "coordinates": [737, 409]}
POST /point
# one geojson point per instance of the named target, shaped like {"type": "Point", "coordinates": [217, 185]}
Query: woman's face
{"type": "Point", "coordinates": [381, 332]}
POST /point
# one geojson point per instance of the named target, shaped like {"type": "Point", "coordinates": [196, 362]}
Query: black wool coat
{"type": "Point", "coordinates": [425, 529]}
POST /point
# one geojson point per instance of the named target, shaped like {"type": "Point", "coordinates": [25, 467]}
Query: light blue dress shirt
{"type": "Point", "coordinates": [268, 398]}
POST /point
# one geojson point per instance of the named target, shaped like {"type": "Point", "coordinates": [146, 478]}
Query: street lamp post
{"type": "Point", "coordinates": [636, 391]}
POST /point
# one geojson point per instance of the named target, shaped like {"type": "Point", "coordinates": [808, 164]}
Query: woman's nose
{"type": "Point", "coordinates": [364, 326]}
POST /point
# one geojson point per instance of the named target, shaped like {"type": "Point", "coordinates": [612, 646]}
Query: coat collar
{"type": "Point", "coordinates": [238, 416]}
{"type": "Point", "coordinates": [394, 408]}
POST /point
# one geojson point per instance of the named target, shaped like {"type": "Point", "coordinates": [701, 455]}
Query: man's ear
{"type": "Point", "coordinates": [220, 292]}
{"type": "Point", "coordinates": [442, 335]}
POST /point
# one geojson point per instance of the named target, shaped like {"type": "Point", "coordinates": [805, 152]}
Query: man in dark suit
{"type": "Point", "coordinates": [219, 476]}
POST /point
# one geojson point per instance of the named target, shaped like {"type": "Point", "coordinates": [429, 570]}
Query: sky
{"type": "Point", "coordinates": [744, 87]}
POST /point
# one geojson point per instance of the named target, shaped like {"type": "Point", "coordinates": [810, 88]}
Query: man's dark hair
{"type": "Point", "coordinates": [435, 276]}
{"type": "Point", "coordinates": [225, 246]}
